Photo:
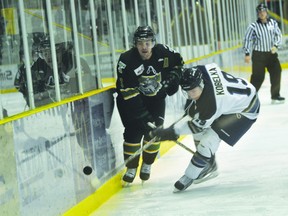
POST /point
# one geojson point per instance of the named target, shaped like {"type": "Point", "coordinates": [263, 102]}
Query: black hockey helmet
{"type": "Point", "coordinates": [46, 44]}
{"type": "Point", "coordinates": [191, 78]}
{"type": "Point", "coordinates": [144, 33]}
{"type": "Point", "coordinates": [45, 50]}
{"type": "Point", "coordinates": [261, 7]}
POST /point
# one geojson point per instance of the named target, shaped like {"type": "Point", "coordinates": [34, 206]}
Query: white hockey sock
{"type": "Point", "coordinates": [192, 171]}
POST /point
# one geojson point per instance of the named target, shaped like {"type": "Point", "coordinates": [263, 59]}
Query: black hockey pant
{"type": "Point", "coordinates": [230, 128]}
{"type": "Point", "coordinates": [260, 61]}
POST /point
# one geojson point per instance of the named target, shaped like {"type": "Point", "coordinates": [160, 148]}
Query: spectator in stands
{"type": "Point", "coordinates": [42, 73]}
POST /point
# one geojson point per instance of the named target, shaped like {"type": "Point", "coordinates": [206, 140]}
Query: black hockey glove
{"type": "Point", "coordinates": [171, 83]}
{"type": "Point", "coordinates": [164, 134]}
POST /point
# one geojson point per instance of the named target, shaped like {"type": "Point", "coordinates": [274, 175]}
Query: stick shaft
{"type": "Point", "coordinates": [176, 141]}
{"type": "Point", "coordinates": [139, 151]}
{"type": "Point", "coordinates": [122, 165]}
{"type": "Point", "coordinates": [184, 146]}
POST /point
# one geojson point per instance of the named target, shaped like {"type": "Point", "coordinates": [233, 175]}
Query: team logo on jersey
{"type": "Point", "coordinates": [151, 70]}
{"type": "Point", "coordinates": [121, 66]}
{"type": "Point", "coordinates": [166, 63]}
{"type": "Point", "coordinates": [150, 85]}
{"type": "Point", "coordinates": [139, 70]}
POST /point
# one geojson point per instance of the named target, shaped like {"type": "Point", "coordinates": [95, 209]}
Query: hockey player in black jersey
{"type": "Point", "coordinates": [222, 107]}
{"type": "Point", "coordinates": [147, 73]}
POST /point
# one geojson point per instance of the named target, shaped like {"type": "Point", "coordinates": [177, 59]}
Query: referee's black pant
{"type": "Point", "coordinates": [260, 61]}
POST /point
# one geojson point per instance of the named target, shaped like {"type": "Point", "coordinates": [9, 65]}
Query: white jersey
{"type": "Point", "coordinates": [223, 94]}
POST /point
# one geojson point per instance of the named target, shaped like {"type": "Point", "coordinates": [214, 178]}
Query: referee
{"type": "Point", "coordinates": [263, 37]}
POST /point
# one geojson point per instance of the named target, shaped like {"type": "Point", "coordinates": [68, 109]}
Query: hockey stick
{"type": "Point", "coordinates": [147, 145]}
{"type": "Point", "coordinates": [176, 141]}
{"type": "Point", "coordinates": [184, 146]}
{"type": "Point", "coordinates": [138, 152]}
{"type": "Point", "coordinates": [103, 179]}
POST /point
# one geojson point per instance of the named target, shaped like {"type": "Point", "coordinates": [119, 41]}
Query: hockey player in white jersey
{"type": "Point", "coordinates": [221, 107]}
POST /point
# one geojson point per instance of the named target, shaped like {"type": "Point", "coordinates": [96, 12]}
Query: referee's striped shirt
{"type": "Point", "coordinates": [262, 36]}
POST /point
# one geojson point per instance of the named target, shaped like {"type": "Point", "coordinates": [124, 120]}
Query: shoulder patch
{"type": "Point", "coordinates": [166, 62]}
{"type": "Point", "coordinates": [121, 66]}
{"type": "Point", "coordinates": [139, 70]}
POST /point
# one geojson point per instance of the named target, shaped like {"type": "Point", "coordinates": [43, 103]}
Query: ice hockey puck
{"type": "Point", "coordinates": [87, 170]}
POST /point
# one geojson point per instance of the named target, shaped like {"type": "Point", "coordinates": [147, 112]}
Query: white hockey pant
{"type": "Point", "coordinates": [208, 145]}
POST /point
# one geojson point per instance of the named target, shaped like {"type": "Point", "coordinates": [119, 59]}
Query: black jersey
{"type": "Point", "coordinates": [140, 80]}
{"type": "Point", "coordinates": [42, 76]}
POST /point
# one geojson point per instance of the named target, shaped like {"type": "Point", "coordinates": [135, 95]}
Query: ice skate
{"type": "Point", "coordinates": [209, 172]}
{"type": "Point", "coordinates": [145, 172]}
{"type": "Point", "coordinates": [129, 177]}
{"type": "Point", "coordinates": [278, 100]}
{"type": "Point", "coordinates": [183, 183]}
